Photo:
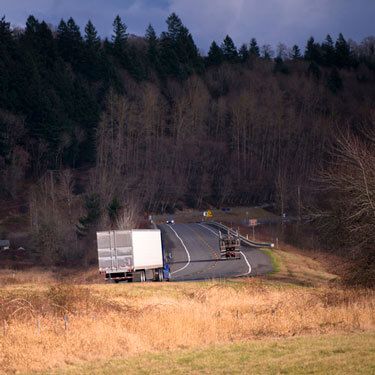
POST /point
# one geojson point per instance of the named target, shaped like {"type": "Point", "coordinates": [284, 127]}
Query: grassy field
{"type": "Point", "coordinates": [57, 321]}
{"type": "Point", "coordinates": [333, 354]}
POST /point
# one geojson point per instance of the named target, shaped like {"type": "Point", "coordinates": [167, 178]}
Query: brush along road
{"type": "Point", "coordinates": [195, 254]}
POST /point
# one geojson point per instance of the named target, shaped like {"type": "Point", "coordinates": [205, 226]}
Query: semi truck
{"type": "Point", "coordinates": [230, 245]}
{"type": "Point", "coordinates": [132, 255]}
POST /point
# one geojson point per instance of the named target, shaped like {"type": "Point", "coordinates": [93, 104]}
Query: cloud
{"type": "Point", "coordinates": [270, 21]}
{"type": "Point", "coordinates": [273, 21]}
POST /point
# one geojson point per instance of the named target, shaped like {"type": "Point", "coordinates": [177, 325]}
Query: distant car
{"type": "Point", "coordinates": [170, 221]}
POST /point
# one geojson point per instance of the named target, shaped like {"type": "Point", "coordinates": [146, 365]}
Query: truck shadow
{"type": "Point", "coordinates": [204, 261]}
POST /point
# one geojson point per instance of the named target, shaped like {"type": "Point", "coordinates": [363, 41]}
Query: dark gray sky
{"type": "Point", "coordinates": [270, 21]}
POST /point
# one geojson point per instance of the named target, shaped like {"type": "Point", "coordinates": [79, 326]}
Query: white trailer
{"type": "Point", "coordinates": [131, 255]}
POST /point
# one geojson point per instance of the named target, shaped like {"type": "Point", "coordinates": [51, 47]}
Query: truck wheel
{"type": "Point", "coordinates": [160, 275]}
{"type": "Point", "coordinates": [142, 276]}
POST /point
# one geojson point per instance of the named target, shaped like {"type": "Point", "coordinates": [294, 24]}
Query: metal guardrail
{"type": "Point", "coordinates": [242, 238]}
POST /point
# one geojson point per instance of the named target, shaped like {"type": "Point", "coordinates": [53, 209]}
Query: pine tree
{"type": "Point", "coordinates": [73, 31]}
{"type": "Point", "coordinates": [243, 53]}
{"type": "Point", "coordinates": [32, 25]}
{"type": "Point", "coordinates": [70, 41]}
{"type": "Point", "coordinates": [312, 52]}
{"type": "Point", "coordinates": [169, 61]}
{"type": "Point", "coordinates": [119, 37]}
{"type": "Point", "coordinates": [254, 49]}
{"type": "Point", "coordinates": [175, 26]}
{"type": "Point", "coordinates": [178, 51]}
{"type": "Point", "coordinates": [93, 58]}
{"type": "Point", "coordinates": [92, 39]}
{"type": "Point", "coordinates": [229, 49]}
{"type": "Point", "coordinates": [152, 48]}
{"type": "Point", "coordinates": [5, 31]}
{"type": "Point", "coordinates": [296, 53]}
{"type": "Point", "coordinates": [215, 55]}
{"type": "Point", "coordinates": [343, 53]}
{"type": "Point", "coordinates": [328, 51]}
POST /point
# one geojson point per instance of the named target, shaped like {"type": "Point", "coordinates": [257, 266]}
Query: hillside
{"type": "Point", "coordinates": [97, 133]}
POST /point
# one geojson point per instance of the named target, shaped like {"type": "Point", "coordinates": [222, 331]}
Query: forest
{"type": "Point", "coordinates": [96, 132]}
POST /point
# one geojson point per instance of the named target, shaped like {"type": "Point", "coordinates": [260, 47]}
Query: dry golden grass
{"type": "Point", "coordinates": [109, 321]}
{"type": "Point", "coordinates": [50, 320]}
{"type": "Point", "coordinates": [299, 269]}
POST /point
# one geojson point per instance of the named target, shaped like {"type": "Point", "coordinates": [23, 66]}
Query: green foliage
{"type": "Point", "coordinates": [119, 40]}
{"type": "Point", "coordinates": [58, 81]}
{"type": "Point", "coordinates": [328, 51]}
{"type": "Point", "coordinates": [69, 41]}
{"type": "Point", "coordinates": [296, 53]}
{"type": "Point", "coordinates": [229, 50]}
{"type": "Point", "coordinates": [254, 49]}
{"type": "Point", "coordinates": [215, 55]}
{"type": "Point", "coordinates": [152, 48]}
{"type": "Point", "coordinates": [93, 213]}
{"type": "Point", "coordinates": [178, 53]}
{"type": "Point", "coordinates": [243, 53]}
{"type": "Point", "coordinates": [92, 39]}
{"type": "Point", "coordinates": [313, 52]}
{"type": "Point", "coordinates": [343, 53]}
{"type": "Point", "coordinates": [113, 209]}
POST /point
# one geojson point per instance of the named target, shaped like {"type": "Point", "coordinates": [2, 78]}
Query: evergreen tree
{"type": "Point", "coordinates": [312, 52]}
{"type": "Point", "coordinates": [343, 52]}
{"type": "Point", "coordinates": [93, 60]}
{"type": "Point", "coordinates": [169, 61]}
{"type": "Point", "coordinates": [119, 37]}
{"type": "Point", "coordinates": [179, 53]}
{"type": "Point", "coordinates": [32, 25]}
{"type": "Point", "coordinates": [70, 41]}
{"type": "Point", "coordinates": [136, 64]}
{"type": "Point", "coordinates": [152, 48]}
{"type": "Point", "coordinates": [8, 70]}
{"type": "Point", "coordinates": [254, 49]}
{"type": "Point", "coordinates": [243, 53]}
{"type": "Point", "coordinates": [296, 53]}
{"type": "Point", "coordinates": [328, 51]}
{"type": "Point", "coordinates": [215, 55]}
{"type": "Point", "coordinates": [175, 26]}
{"type": "Point", "coordinates": [92, 39]}
{"type": "Point", "coordinates": [73, 31]}
{"type": "Point", "coordinates": [229, 49]}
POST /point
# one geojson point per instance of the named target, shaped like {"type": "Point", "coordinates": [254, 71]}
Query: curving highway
{"type": "Point", "coordinates": [194, 250]}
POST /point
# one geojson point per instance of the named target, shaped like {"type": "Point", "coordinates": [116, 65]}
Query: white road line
{"type": "Point", "coordinates": [187, 252]}
{"type": "Point", "coordinates": [244, 256]}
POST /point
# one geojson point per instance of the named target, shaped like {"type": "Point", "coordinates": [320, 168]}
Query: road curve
{"type": "Point", "coordinates": [194, 250]}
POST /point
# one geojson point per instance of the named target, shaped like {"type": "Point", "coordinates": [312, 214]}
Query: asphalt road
{"type": "Point", "coordinates": [195, 254]}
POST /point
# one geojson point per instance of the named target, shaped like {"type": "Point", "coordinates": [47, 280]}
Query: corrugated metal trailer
{"type": "Point", "coordinates": [131, 255]}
